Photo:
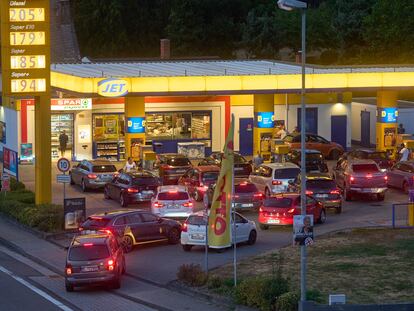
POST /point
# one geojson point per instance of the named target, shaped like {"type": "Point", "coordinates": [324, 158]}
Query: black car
{"type": "Point", "coordinates": [134, 227]}
{"type": "Point", "coordinates": [242, 167]}
{"type": "Point", "coordinates": [321, 187]}
{"type": "Point", "coordinates": [171, 166]}
{"type": "Point", "coordinates": [92, 259]}
{"type": "Point", "coordinates": [380, 157]}
{"type": "Point", "coordinates": [132, 187]}
{"type": "Point", "coordinates": [314, 160]}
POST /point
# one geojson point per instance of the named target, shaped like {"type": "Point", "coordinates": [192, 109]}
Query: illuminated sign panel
{"type": "Point", "coordinates": [25, 50]}
{"type": "Point", "coordinates": [136, 125]}
{"type": "Point", "coordinates": [387, 115]}
{"type": "Point", "coordinates": [265, 119]}
{"type": "Point", "coordinates": [113, 87]}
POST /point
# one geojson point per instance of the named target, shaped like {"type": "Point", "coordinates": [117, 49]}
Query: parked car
{"type": "Point", "coordinates": [172, 202]}
{"type": "Point", "coordinates": [134, 227]}
{"type": "Point", "coordinates": [380, 157]}
{"type": "Point", "coordinates": [242, 167]}
{"type": "Point", "coordinates": [171, 166]}
{"type": "Point", "coordinates": [328, 149]}
{"type": "Point", "coordinates": [363, 177]}
{"type": "Point", "coordinates": [401, 175]}
{"type": "Point", "coordinates": [94, 259]}
{"type": "Point", "coordinates": [198, 179]}
{"type": "Point", "coordinates": [322, 187]}
{"type": "Point", "coordinates": [314, 160]}
{"type": "Point", "coordinates": [92, 174]}
{"type": "Point", "coordinates": [274, 178]}
{"type": "Point", "coordinates": [246, 195]}
{"type": "Point", "coordinates": [280, 209]}
{"type": "Point", "coordinates": [132, 187]}
{"type": "Point", "coordinates": [194, 231]}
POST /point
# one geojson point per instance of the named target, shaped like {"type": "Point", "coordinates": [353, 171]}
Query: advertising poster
{"type": "Point", "coordinates": [136, 125]}
{"type": "Point", "coordinates": [265, 119]}
{"type": "Point", "coordinates": [2, 132]}
{"type": "Point", "coordinates": [84, 134]}
{"type": "Point", "coordinates": [26, 153]}
{"type": "Point", "coordinates": [10, 162]}
{"type": "Point", "coordinates": [74, 210]}
{"type": "Point", "coordinates": [303, 230]}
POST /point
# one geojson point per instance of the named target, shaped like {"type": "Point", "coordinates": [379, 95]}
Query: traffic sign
{"type": "Point", "coordinates": [63, 179]}
{"type": "Point", "coordinates": [63, 165]}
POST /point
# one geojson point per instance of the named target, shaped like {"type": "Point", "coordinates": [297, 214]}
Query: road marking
{"type": "Point", "coordinates": [36, 290]}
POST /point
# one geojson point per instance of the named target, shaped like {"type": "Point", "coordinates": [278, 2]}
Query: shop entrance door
{"type": "Point", "coordinates": [246, 136]}
{"type": "Point", "coordinates": [62, 122]}
{"type": "Point", "coordinates": [365, 128]}
{"type": "Point", "coordinates": [338, 130]}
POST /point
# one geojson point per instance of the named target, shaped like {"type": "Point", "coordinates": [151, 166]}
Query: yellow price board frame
{"type": "Point", "coordinates": [27, 38]}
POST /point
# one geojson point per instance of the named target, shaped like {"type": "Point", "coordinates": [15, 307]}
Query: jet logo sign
{"type": "Point", "coordinates": [113, 87]}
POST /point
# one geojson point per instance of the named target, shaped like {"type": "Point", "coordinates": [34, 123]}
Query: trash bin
{"type": "Point", "coordinates": [157, 147]}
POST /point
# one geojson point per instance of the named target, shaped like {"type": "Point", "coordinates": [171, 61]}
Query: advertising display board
{"type": "Point", "coordinates": [136, 125]}
{"type": "Point", "coordinates": [303, 230]}
{"type": "Point", "coordinates": [74, 210]}
{"type": "Point", "coordinates": [387, 115]}
{"type": "Point", "coordinates": [10, 162]}
{"type": "Point", "coordinates": [26, 153]}
{"type": "Point", "coordinates": [264, 119]}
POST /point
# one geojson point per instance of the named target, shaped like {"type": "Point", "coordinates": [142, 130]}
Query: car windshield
{"type": "Point", "coordinates": [210, 176]}
{"type": "Point", "coordinates": [320, 184]}
{"type": "Point", "coordinates": [144, 180]}
{"type": "Point", "coordinates": [178, 162]}
{"type": "Point", "coordinates": [238, 159]}
{"type": "Point", "coordinates": [377, 155]}
{"type": "Point", "coordinates": [287, 173]}
{"type": "Point", "coordinates": [95, 222]}
{"type": "Point", "coordinates": [277, 202]}
{"type": "Point", "coordinates": [196, 220]}
{"type": "Point", "coordinates": [365, 168]}
{"type": "Point", "coordinates": [245, 188]}
{"type": "Point", "coordinates": [86, 253]}
{"type": "Point", "coordinates": [104, 168]}
{"type": "Point", "coordinates": [173, 196]}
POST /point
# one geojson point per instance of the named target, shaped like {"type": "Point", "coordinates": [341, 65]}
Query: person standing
{"type": "Point", "coordinates": [401, 129]}
{"type": "Point", "coordinates": [130, 165]}
{"type": "Point", "coordinates": [63, 142]}
{"type": "Point", "coordinates": [258, 159]}
{"type": "Point", "coordinates": [404, 153]}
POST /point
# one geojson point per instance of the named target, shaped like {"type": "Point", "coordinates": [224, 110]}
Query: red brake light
{"type": "Point", "coordinates": [173, 191]}
{"type": "Point", "coordinates": [92, 176]}
{"type": "Point", "coordinates": [351, 179]}
{"type": "Point", "coordinates": [88, 244]}
{"type": "Point", "coordinates": [369, 176]}
{"type": "Point", "coordinates": [308, 192]}
{"type": "Point", "coordinates": [335, 191]}
{"type": "Point", "coordinates": [188, 204]}
{"type": "Point", "coordinates": [236, 196]}
{"type": "Point", "coordinates": [68, 270]}
{"type": "Point", "coordinates": [261, 210]}
{"type": "Point", "coordinates": [258, 195]}
{"type": "Point", "coordinates": [291, 210]}
{"type": "Point", "coordinates": [157, 204]}
{"type": "Point", "coordinates": [276, 182]}
{"type": "Point", "coordinates": [96, 217]}
{"type": "Point", "coordinates": [133, 190]}
{"type": "Point", "coordinates": [184, 227]}
{"type": "Point", "coordinates": [111, 264]}
{"type": "Point", "coordinates": [244, 183]}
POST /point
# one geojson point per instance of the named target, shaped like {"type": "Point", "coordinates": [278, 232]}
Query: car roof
{"type": "Point", "coordinates": [317, 175]}
{"type": "Point", "coordinates": [95, 238]}
{"type": "Point", "coordinates": [140, 174]}
{"type": "Point", "coordinates": [115, 213]}
{"type": "Point", "coordinates": [281, 165]}
{"type": "Point", "coordinates": [172, 188]}
{"type": "Point", "coordinates": [307, 150]}
{"type": "Point", "coordinates": [361, 161]}
{"type": "Point", "coordinates": [172, 155]}
{"type": "Point", "coordinates": [208, 168]}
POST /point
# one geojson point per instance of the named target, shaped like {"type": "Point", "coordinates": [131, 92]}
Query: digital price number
{"type": "Point", "coordinates": [27, 38]}
{"type": "Point", "coordinates": [28, 61]}
{"type": "Point", "coordinates": [27, 15]}
{"type": "Point", "coordinates": [28, 85]}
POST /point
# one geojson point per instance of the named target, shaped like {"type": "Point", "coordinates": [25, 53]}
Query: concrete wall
{"type": "Point", "coordinates": [356, 121]}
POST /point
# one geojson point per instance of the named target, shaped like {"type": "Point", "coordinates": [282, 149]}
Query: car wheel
{"type": "Point", "coordinates": [106, 193]}
{"type": "Point", "coordinates": [122, 200]}
{"type": "Point", "coordinates": [252, 237]}
{"type": "Point", "coordinates": [69, 287]}
{"type": "Point", "coordinates": [263, 227]}
{"type": "Point", "coordinates": [380, 196]}
{"type": "Point", "coordinates": [338, 210]}
{"type": "Point", "coordinates": [322, 217]}
{"type": "Point", "coordinates": [347, 194]}
{"type": "Point", "coordinates": [72, 182]}
{"type": "Point", "coordinates": [197, 196]}
{"type": "Point", "coordinates": [187, 248]}
{"type": "Point", "coordinates": [83, 185]}
{"type": "Point", "coordinates": [405, 187]}
{"type": "Point", "coordinates": [174, 236]}
{"type": "Point", "coordinates": [267, 193]}
{"type": "Point", "coordinates": [127, 243]}
{"type": "Point", "coordinates": [334, 155]}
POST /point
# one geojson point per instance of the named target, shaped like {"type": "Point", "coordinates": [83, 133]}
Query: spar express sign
{"type": "Point", "coordinates": [113, 87]}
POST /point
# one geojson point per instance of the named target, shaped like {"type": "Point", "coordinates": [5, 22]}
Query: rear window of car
{"type": "Point", "coordinates": [245, 188]}
{"type": "Point", "coordinates": [277, 202]}
{"type": "Point", "coordinates": [376, 155]}
{"type": "Point", "coordinates": [365, 168]}
{"type": "Point", "coordinates": [85, 253]}
{"type": "Point", "coordinates": [210, 176]}
{"type": "Point", "coordinates": [144, 180]}
{"type": "Point", "coordinates": [104, 168]}
{"type": "Point", "coordinates": [96, 222]}
{"type": "Point", "coordinates": [238, 159]}
{"type": "Point", "coordinates": [321, 184]}
{"type": "Point", "coordinates": [173, 196]}
{"type": "Point", "coordinates": [287, 173]}
{"type": "Point", "coordinates": [178, 162]}
{"type": "Point", "coordinates": [196, 220]}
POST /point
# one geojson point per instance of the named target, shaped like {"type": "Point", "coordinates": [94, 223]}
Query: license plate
{"type": "Point", "coordinates": [238, 168]}
{"type": "Point", "coordinates": [173, 206]}
{"type": "Point", "coordinates": [90, 269]}
{"type": "Point", "coordinates": [369, 190]}
{"type": "Point", "coordinates": [322, 196]}
{"type": "Point", "coordinates": [180, 171]}
{"type": "Point", "coordinates": [273, 221]}
{"type": "Point", "coordinates": [247, 205]}
{"type": "Point", "coordinates": [147, 192]}
{"type": "Point", "coordinates": [197, 236]}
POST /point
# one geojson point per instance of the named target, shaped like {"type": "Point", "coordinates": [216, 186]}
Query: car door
{"type": "Point", "coordinates": [394, 175]}
{"type": "Point", "coordinates": [152, 226]}
{"type": "Point", "coordinates": [406, 171]}
{"type": "Point", "coordinates": [111, 186]}
{"type": "Point", "coordinates": [134, 225]}
{"type": "Point", "coordinates": [255, 176]}
{"type": "Point", "coordinates": [312, 208]}
{"type": "Point", "coordinates": [76, 173]}
{"type": "Point", "coordinates": [242, 229]}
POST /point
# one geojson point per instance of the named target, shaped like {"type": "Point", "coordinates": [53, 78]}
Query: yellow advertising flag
{"type": "Point", "coordinates": [219, 225]}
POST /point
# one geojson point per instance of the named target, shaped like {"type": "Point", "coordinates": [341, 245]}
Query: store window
{"type": "Point", "coordinates": [61, 123]}
{"type": "Point", "coordinates": [109, 136]}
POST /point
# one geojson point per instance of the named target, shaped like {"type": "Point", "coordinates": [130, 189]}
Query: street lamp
{"type": "Point", "coordinates": [289, 5]}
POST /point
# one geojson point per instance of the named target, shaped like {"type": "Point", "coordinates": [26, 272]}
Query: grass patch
{"type": "Point", "coordinates": [363, 250]}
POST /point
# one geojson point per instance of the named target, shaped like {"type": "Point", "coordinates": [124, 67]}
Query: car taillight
{"type": "Point", "coordinates": [276, 182]}
{"type": "Point", "coordinates": [308, 192]}
{"type": "Point", "coordinates": [236, 196]}
{"type": "Point", "coordinates": [87, 244]}
{"type": "Point", "coordinates": [184, 227]}
{"type": "Point", "coordinates": [368, 176]}
{"type": "Point", "coordinates": [133, 190]}
{"type": "Point", "coordinates": [351, 179]}
{"type": "Point", "coordinates": [188, 204]}
{"type": "Point", "coordinates": [111, 264]}
{"type": "Point", "coordinates": [68, 270]}
{"type": "Point", "coordinates": [92, 176]}
{"type": "Point", "coordinates": [291, 210]}
{"type": "Point", "coordinates": [385, 178]}
{"type": "Point", "coordinates": [261, 210]}
{"type": "Point", "coordinates": [335, 191]}
{"type": "Point", "coordinates": [258, 195]}
{"type": "Point", "coordinates": [158, 204]}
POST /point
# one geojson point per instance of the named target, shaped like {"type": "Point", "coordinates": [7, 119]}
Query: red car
{"type": "Point", "coordinates": [280, 209]}
{"type": "Point", "coordinates": [198, 179]}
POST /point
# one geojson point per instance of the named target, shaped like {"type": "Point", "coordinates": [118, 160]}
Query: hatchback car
{"type": "Point", "coordinates": [360, 177]}
{"type": "Point", "coordinates": [132, 187]}
{"type": "Point", "coordinates": [194, 230]}
{"type": "Point", "coordinates": [94, 259]}
{"type": "Point", "coordinates": [280, 209]}
{"type": "Point", "coordinates": [380, 157]}
{"type": "Point", "coordinates": [92, 174]}
{"type": "Point", "coordinates": [171, 166]}
{"type": "Point", "coordinates": [242, 167]}
{"type": "Point", "coordinates": [314, 160]}
{"type": "Point", "coordinates": [246, 195]}
{"type": "Point", "coordinates": [401, 175]}
{"type": "Point", "coordinates": [322, 187]}
{"type": "Point", "coordinates": [198, 179]}
{"type": "Point", "coordinates": [274, 178]}
{"type": "Point", "coordinates": [172, 202]}
{"type": "Point", "coordinates": [328, 149]}
{"type": "Point", "coordinates": [134, 227]}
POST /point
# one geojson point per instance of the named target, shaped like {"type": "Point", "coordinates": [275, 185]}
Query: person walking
{"type": "Point", "coordinates": [63, 142]}
{"type": "Point", "coordinates": [130, 165]}
{"type": "Point", "coordinates": [404, 153]}
{"type": "Point", "coordinates": [401, 129]}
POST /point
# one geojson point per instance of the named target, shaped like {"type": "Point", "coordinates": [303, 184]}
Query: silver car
{"type": "Point", "coordinates": [92, 174]}
{"type": "Point", "coordinates": [274, 178]}
{"type": "Point", "coordinates": [172, 202]}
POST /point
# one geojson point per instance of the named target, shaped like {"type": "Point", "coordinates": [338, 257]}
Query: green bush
{"type": "Point", "coordinates": [288, 302]}
{"type": "Point", "coordinates": [314, 295]}
{"type": "Point", "coordinates": [16, 185]}
{"type": "Point", "coordinates": [192, 275]}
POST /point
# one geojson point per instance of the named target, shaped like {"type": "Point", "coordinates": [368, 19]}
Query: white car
{"type": "Point", "coordinates": [193, 231]}
{"type": "Point", "coordinates": [172, 202]}
{"type": "Point", "coordinates": [274, 178]}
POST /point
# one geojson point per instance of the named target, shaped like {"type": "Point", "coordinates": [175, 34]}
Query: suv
{"type": "Point", "coordinates": [94, 259]}
{"type": "Point", "coordinates": [274, 178]}
{"type": "Point", "coordinates": [314, 160]}
{"type": "Point", "coordinates": [198, 179]}
{"type": "Point", "coordinates": [171, 167]}
{"type": "Point", "coordinates": [380, 157]}
{"type": "Point", "coordinates": [360, 176]}
{"type": "Point", "coordinates": [92, 174]}
{"type": "Point", "coordinates": [134, 227]}
{"type": "Point", "coordinates": [242, 167]}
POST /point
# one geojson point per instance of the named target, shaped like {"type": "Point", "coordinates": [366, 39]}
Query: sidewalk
{"type": "Point", "coordinates": [53, 258]}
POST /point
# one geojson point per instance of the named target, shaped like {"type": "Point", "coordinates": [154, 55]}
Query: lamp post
{"type": "Point", "coordinates": [289, 5]}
